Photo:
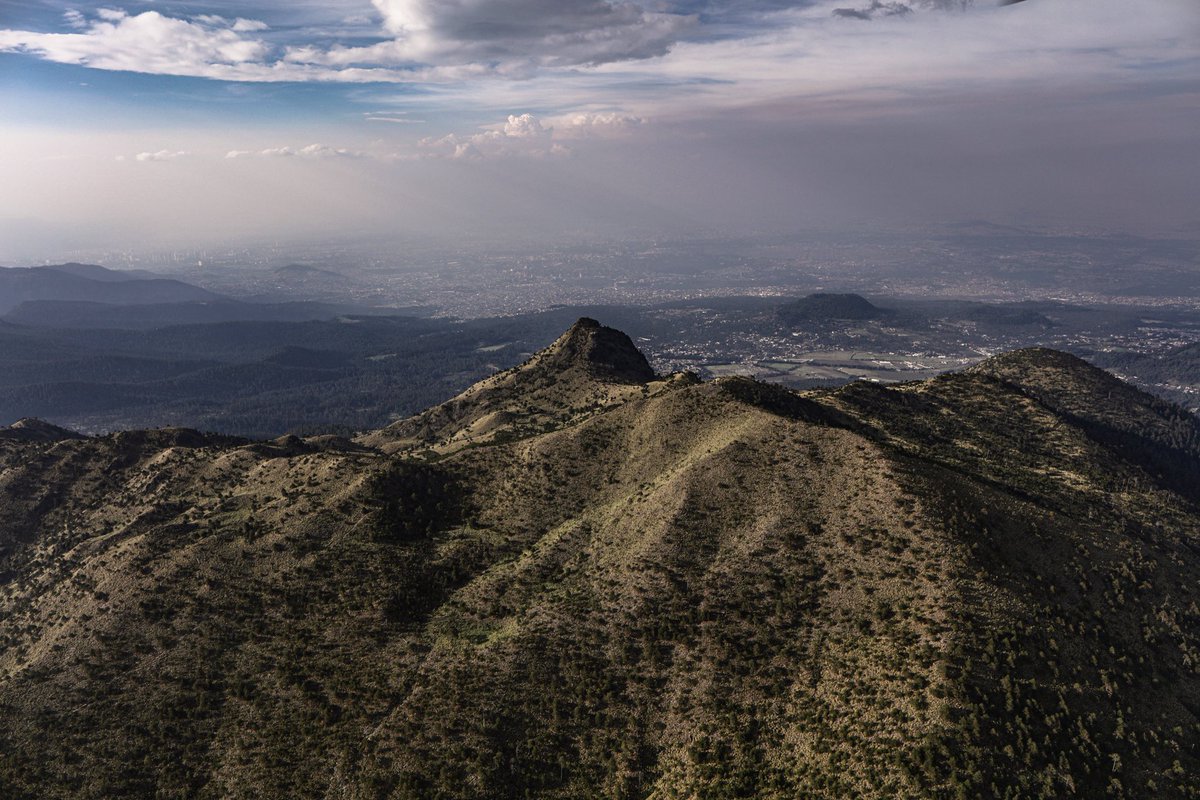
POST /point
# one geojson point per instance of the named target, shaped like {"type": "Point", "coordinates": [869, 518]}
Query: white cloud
{"type": "Point", "coordinates": [74, 19]}
{"type": "Point", "coordinates": [806, 63]}
{"type": "Point", "coordinates": [310, 152]}
{"type": "Point", "coordinates": [147, 42]}
{"type": "Point", "coordinates": [612, 54]}
{"type": "Point", "coordinates": [434, 41]}
{"type": "Point", "coordinates": [525, 126]}
{"type": "Point", "coordinates": [521, 135]}
{"type": "Point", "coordinates": [242, 25]}
{"type": "Point", "coordinates": [604, 123]}
{"type": "Point", "coordinates": [207, 46]}
{"type": "Point", "coordinates": [161, 155]}
{"type": "Point", "coordinates": [394, 117]}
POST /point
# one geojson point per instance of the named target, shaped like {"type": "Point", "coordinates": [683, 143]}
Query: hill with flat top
{"type": "Point", "coordinates": [581, 579]}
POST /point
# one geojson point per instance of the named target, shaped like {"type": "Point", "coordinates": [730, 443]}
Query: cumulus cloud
{"type": "Point", "coordinates": [242, 25]}
{"type": "Point", "coordinates": [161, 155]}
{"type": "Point", "coordinates": [430, 40]}
{"type": "Point", "coordinates": [607, 123]}
{"type": "Point", "coordinates": [205, 46]}
{"type": "Point", "coordinates": [146, 42]}
{"type": "Point", "coordinates": [601, 53]}
{"type": "Point", "coordinates": [521, 135]}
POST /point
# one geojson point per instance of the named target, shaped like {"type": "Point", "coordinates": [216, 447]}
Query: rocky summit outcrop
{"type": "Point", "coordinates": [579, 579]}
{"type": "Point", "coordinates": [587, 368]}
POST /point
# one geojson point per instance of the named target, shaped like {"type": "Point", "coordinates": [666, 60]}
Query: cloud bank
{"type": "Point", "coordinates": [430, 40]}
{"type": "Point", "coordinates": [311, 152]}
{"type": "Point", "coordinates": [540, 115]}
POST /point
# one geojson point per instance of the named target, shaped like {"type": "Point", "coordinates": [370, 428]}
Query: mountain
{"type": "Point", "coordinates": [823, 307]}
{"type": "Point", "coordinates": [93, 284]}
{"type": "Point", "coordinates": [255, 378]}
{"type": "Point", "coordinates": [1175, 373]}
{"type": "Point", "coordinates": [587, 368]}
{"type": "Point", "coordinates": [983, 585]}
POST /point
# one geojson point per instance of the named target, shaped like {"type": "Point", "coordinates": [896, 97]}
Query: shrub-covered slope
{"type": "Point", "coordinates": [629, 587]}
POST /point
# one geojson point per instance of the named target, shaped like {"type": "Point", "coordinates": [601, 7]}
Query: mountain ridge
{"type": "Point", "coordinates": [83, 282]}
{"type": "Point", "coordinates": [948, 588]}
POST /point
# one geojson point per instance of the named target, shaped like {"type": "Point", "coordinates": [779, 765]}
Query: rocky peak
{"type": "Point", "coordinates": [602, 352]}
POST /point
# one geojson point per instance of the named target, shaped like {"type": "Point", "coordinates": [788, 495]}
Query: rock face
{"type": "Point", "coordinates": [579, 579]}
{"type": "Point", "coordinates": [603, 353]}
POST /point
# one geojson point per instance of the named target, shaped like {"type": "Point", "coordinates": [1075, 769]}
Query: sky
{"type": "Point", "coordinates": [146, 124]}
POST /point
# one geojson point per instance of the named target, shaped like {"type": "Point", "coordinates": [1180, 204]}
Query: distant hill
{"type": "Point", "coordinates": [98, 273]}
{"type": "Point", "coordinates": [36, 430]}
{"type": "Point", "coordinates": [76, 282]}
{"type": "Point", "coordinates": [257, 378]}
{"type": "Point", "coordinates": [1174, 374]}
{"type": "Point", "coordinates": [86, 314]}
{"type": "Point", "coordinates": [579, 579]}
{"type": "Point", "coordinates": [823, 308]}
{"type": "Point", "coordinates": [1180, 365]}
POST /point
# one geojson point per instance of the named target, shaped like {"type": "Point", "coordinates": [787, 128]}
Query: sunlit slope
{"type": "Point", "coordinates": [587, 368]}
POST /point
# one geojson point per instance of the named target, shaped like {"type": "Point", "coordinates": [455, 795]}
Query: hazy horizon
{"type": "Point", "coordinates": [207, 123]}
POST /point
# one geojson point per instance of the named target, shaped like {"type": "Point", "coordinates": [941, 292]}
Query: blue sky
{"type": "Point", "coordinates": [155, 121]}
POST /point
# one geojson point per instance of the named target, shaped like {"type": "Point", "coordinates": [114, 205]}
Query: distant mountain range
{"type": "Point", "coordinates": [90, 296]}
{"type": "Point", "coordinates": [827, 309]}
{"type": "Point", "coordinates": [90, 283]}
{"type": "Point", "coordinates": [580, 579]}
{"type": "Point", "coordinates": [150, 315]}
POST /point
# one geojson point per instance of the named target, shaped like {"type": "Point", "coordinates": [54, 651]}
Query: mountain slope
{"type": "Point", "coordinates": [952, 588]}
{"type": "Point", "coordinates": [589, 367]}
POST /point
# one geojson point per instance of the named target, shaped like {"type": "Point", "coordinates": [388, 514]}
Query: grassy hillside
{"type": "Point", "coordinates": [980, 586]}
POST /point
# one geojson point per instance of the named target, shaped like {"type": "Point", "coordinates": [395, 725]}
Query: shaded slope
{"type": "Point", "coordinates": [1158, 436]}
